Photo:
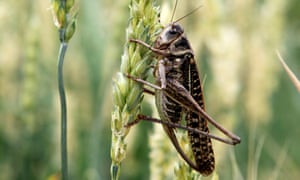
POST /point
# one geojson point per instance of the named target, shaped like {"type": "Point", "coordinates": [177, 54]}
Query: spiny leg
{"type": "Point", "coordinates": [157, 51]}
{"type": "Point", "coordinates": [176, 87]}
{"type": "Point", "coordinates": [141, 117]}
{"type": "Point", "coordinates": [184, 94]}
{"type": "Point", "coordinates": [143, 82]}
{"type": "Point", "coordinates": [148, 91]}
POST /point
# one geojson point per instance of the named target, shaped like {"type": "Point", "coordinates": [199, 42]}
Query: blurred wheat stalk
{"type": "Point", "coordinates": [65, 20]}
{"type": "Point", "coordinates": [289, 72]}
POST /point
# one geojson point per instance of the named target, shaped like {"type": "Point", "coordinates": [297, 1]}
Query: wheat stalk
{"type": "Point", "coordinates": [136, 61]}
{"type": "Point", "coordinates": [65, 20]}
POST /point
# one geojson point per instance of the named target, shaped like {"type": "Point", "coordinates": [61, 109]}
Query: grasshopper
{"type": "Point", "coordinates": [179, 96]}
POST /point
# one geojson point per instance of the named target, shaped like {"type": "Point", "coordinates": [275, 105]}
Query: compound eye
{"type": "Point", "coordinates": [173, 31]}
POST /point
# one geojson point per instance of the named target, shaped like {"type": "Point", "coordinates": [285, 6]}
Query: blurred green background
{"type": "Point", "coordinates": [245, 86]}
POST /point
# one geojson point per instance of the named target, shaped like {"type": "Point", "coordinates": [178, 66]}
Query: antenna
{"type": "Point", "coordinates": [197, 8]}
{"type": "Point", "coordinates": [174, 10]}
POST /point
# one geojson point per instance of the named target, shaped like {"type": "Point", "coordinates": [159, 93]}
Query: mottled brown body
{"type": "Point", "coordinates": [179, 65]}
{"type": "Point", "coordinates": [178, 94]}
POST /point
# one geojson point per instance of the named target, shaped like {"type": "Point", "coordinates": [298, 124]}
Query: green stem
{"type": "Point", "coordinates": [61, 89]}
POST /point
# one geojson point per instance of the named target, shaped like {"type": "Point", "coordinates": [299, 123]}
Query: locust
{"type": "Point", "coordinates": [179, 97]}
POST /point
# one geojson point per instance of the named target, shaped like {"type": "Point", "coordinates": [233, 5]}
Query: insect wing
{"type": "Point", "coordinates": [201, 145]}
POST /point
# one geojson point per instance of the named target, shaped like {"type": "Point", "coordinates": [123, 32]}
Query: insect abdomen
{"type": "Point", "coordinates": [201, 145]}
